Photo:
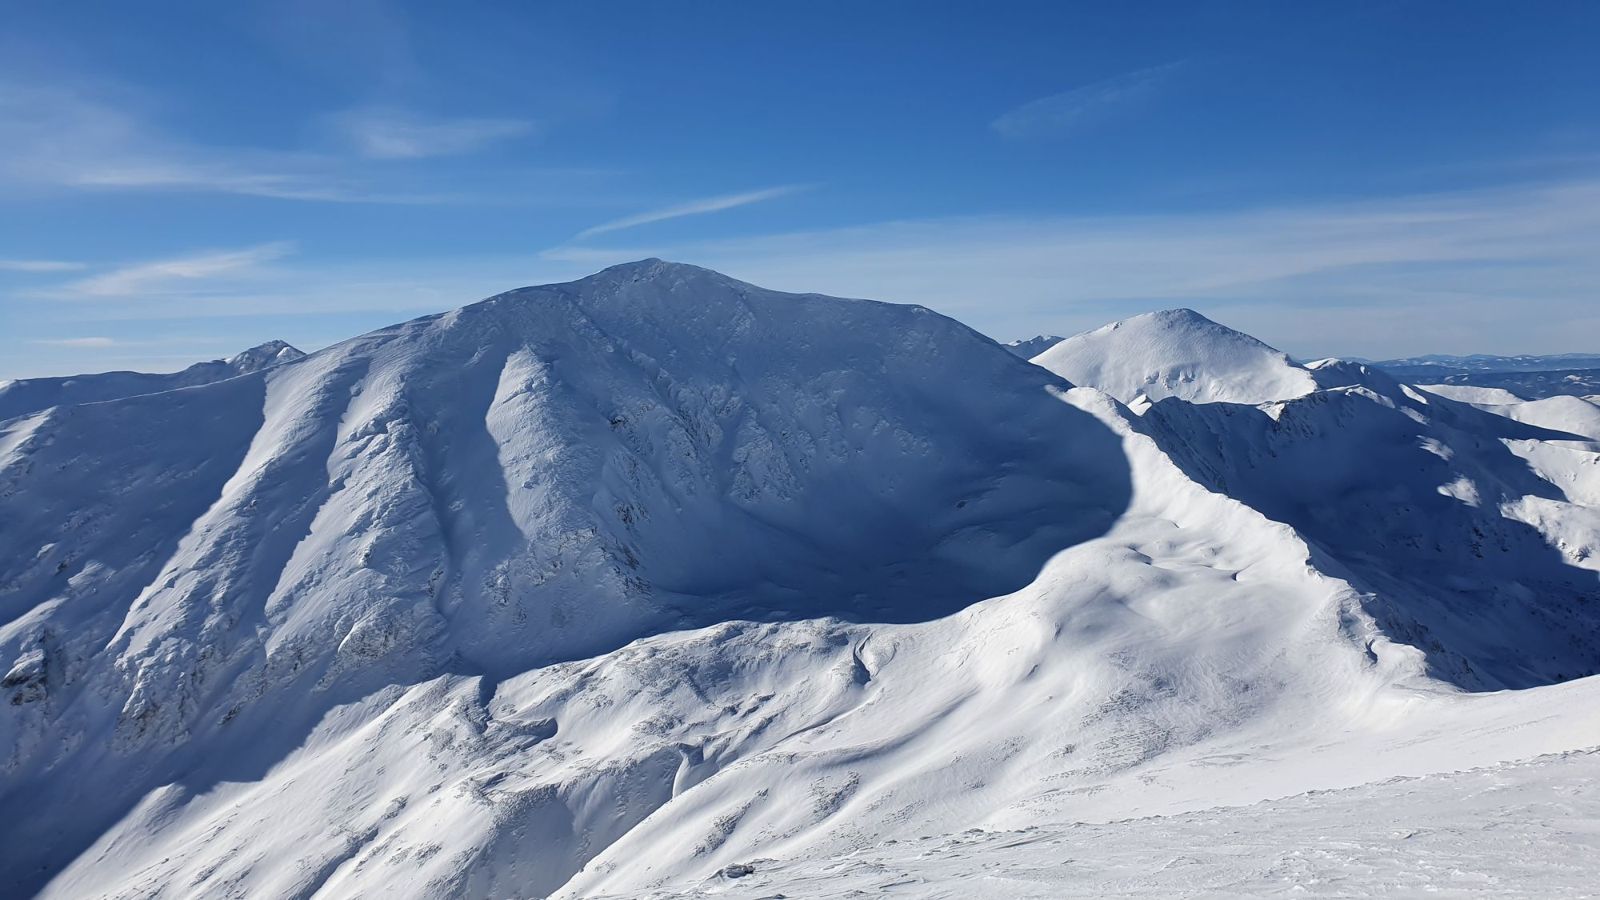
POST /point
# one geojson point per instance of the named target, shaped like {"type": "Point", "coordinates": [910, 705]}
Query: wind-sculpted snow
{"type": "Point", "coordinates": [30, 395]}
{"type": "Point", "coordinates": [609, 586]}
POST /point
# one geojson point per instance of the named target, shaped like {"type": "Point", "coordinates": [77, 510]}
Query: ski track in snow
{"type": "Point", "coordinates": [601, 588]}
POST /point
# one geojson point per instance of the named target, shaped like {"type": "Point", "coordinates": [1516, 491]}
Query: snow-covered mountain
{"type": "Point", "coordinates": [30, 395]}
{"type": "Point", "coordinates": [1028, 348]}
{"type": "Point", "coordinates": [1177, 353]}
{"type": "Point", "coordinates": [601, 588]}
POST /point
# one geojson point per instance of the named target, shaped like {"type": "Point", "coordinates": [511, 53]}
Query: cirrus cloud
{"type": "Point", "coordinates": [1061, 113]}
{"type": "Point", "coordinates": [694, 208]}
{"type": "Point", "coordinates": [161, 275]}
{"type": "Point", "coordinates": [38, 265]}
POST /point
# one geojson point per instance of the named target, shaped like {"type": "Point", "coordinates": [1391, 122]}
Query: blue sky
{"type": "Point", "coordinates": [181, 180]}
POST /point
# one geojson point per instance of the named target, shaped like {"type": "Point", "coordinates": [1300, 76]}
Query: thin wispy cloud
{"type": "Point", "coordinates": [1063, 113]}
{"type": "Point", "coordinates": [81, 343]}
{"type": "Point", "coordinates": [205, 178]}
{"type": "Point", "coordinates": [39, 265]}
{"type": "Point", "coordinates": [1361, 278]}
{"type": "Point", "coordinates": [1511, 262]}
{"type": "Point", "coordinates": [396, 134]}
{"type": "Point", "coordinates": [693, 208]}
{"type": "Point", "coordinates": [160, 349]}
{"type": "Point", "coordinates": [59, 137]}
{"type": "Point", "coordinates": [162, 275]}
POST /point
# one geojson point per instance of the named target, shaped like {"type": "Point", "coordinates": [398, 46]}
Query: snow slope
{"type": "Point", "coordinates": [1177, 353]}
{"type": "Point", "coordinates": [1476, 395]}
{"type": "Point", "coordinates": [30, 395]}
{"type": "Point", "coordinates": [602, 587]}
{"type": "Point", "coordinates": [1519, 830]}
{"type": "Point", "coordinates": [1577, 416]}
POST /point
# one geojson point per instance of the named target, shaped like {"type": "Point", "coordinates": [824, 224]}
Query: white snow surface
{"type": "Point", "coordinates": [601, 588]}
{"type": "Point", "coordinates": [1519, 830]}
{"type": "Point", "coordinates": [1577, 416]}
{"type": "Point", "coordinates": [1467, 393]}
{"type": "Point", "coordinates": [1177, 353]}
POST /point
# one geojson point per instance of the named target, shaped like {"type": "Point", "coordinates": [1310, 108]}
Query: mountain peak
{"type": "Point", "coordinates": [651, 269]}
{"type": "Point", "coordinates": [1189, 320]}
{"type": "Point", "coordinates": [1179, 314]}
{"type": "Point", "coordinates": [30, 395]}
{"type": "Point", "coordinates": [1177, 353]}
{"type": "Point", "coordinates": [638, 266]}
{"type": "Point", "coordinates": [662, 278]}
{"type": "Point", "coordinates": [1028, 348]}
{"type": "Point", "coordinates": [263, 356]}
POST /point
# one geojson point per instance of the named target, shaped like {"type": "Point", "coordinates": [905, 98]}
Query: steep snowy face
{"type": "Point", "coordinates": [30, 395]}
{"type": "Point", "coordinates": [1177, 353]}
{"type": "Point", "coordinates": [1472, 532]}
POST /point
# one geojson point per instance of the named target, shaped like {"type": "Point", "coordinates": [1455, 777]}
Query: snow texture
{"type": "Point", "coordinates": [1520, 830]}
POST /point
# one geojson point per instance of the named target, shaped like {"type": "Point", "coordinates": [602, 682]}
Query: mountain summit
{"type": "Point", "coordinates": [1177, 353]}
{"type": "Point", "coordinates": [30, 395]}
{"type": "Point", "coordinates": [1028, 348]}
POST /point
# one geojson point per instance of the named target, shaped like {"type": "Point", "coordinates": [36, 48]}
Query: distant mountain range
{"type": "Point", "coordinates": [1479, 362]}
{"type": "Point", "coordinates": [1529, 377]}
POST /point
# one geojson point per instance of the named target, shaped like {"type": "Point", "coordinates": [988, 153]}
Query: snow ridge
{"type": "Point", "coordinates": [1028, 348]}
{"type": "Point", "coordinates": [30, 395]}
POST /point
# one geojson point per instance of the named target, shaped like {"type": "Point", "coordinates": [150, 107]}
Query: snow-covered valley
{"type": "Point", "coordinates": [600, 588]}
